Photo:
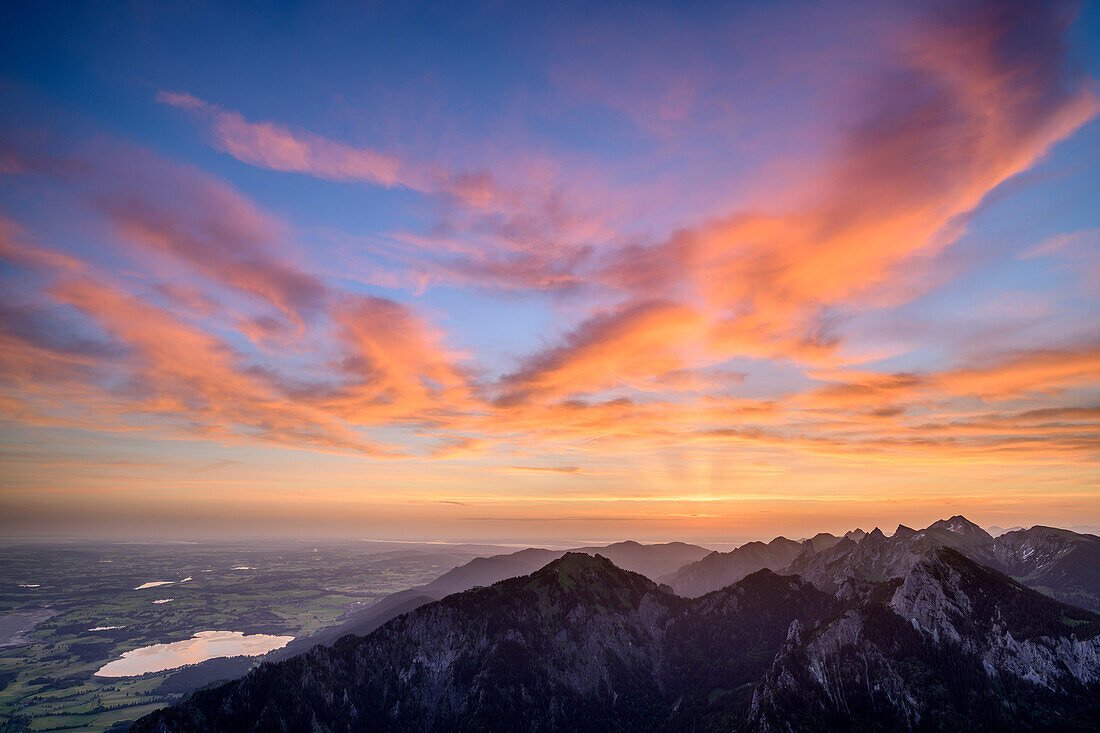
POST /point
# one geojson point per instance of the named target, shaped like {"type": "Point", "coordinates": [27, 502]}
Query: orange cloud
{"type": "Point", "coordinates": [963, 116]}
{"type": "Point", "coordinates": [395, 367]}
{"type": "Point", "coordinates": [627, 347]}
{"type": "Point", "coordinates": [966, 109]}
{"type": "Point", "coordinates": [1014, 375]}
{"type": "Point", "coordinates": [1042, 371]}
{"type": "Point", "coordinates": [196, 380]}
{"type": "Point", "coordinates": [106, 355]}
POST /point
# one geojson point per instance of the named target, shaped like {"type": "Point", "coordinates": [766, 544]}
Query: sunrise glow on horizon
{"type": "Point", "coordinates": [512, 271]}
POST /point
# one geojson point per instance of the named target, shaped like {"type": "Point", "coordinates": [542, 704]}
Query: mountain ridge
{"type": "Point", "coordinates": [1063, 563]}
{"type": "Point", "coordinates": [719, 569]}
{"type": "Point", "coordinates": [581, 644]}
{"type": "Point", "coordinates": [655, 558]}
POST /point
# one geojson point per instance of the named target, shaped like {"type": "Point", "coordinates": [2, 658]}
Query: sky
{"type": "Point", "coordinates": [531, 271]}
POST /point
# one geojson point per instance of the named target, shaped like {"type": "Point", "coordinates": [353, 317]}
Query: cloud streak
{"type": "Point", "coordinates": [273, 146]}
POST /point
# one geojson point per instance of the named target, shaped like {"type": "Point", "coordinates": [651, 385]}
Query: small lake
{"type": "Point", "coordinates": [15, 628]}
{"type": "Point", "coordinates": [202, 646]}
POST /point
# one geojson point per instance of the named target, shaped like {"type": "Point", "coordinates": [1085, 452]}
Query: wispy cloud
{"type": "Point", "coordinates": [273, 146]}
{"type": "Point", "coordinates": [546, 469]}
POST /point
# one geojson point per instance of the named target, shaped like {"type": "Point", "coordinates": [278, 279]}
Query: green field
{"type": "Point", "coordinates": [48, 655]}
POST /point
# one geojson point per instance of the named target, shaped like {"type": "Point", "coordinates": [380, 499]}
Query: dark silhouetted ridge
{"type": "Point", "coordinates": [918, 635]}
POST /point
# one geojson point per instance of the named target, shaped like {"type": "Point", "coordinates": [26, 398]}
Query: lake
{"type": "Point", "coordinates": [16, 627]}
{"type": "Point", "coordinates": [202, 646]}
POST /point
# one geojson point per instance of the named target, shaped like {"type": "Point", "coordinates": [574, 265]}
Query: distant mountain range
{"type": "Point", "coordinates": [1061, 563]}
{"type": "Point", "coordinates": [652, 561]}
{"type": "Point", "coordinates": [719, 569]}
{"type": "Point", "coordinates": [932, 629]}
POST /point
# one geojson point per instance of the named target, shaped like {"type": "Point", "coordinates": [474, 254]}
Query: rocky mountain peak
{"type": "Point", "coordinates": [903, 532]}
{"type": "Point", "coordinates": [821, 541]}
{"type": "Point", "coordinates": [721, 569]}
{"type": "Point", "coordinates": [960, 525]}
{"type": "Point", "coordinates": [874, 537]}
{"type": "Point", "coordinates": [576, 564]}
{"type": "Point", "coordinates": [580, 577]}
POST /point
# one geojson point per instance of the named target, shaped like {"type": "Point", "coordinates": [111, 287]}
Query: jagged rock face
{"type": "Point", "coordinates": [874, 558]}
{"type": "Point", "coordinates": [567, 630]}
{"type": "Point", "coordinates": [718, 648]}
{"type": "Point", "coordinates": [958, 646]}
{"type": "Point", "coordinates": [821, 676]}
{"type": "Point", "coordinates": [719, 569]}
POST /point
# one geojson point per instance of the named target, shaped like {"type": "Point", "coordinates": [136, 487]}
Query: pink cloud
{"type": "Point", "coordinates": [531, 236]}
{"type": "Point", "coordinates": [195, 220]}
{"type": "Point", "coordinates": [269, 145]}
